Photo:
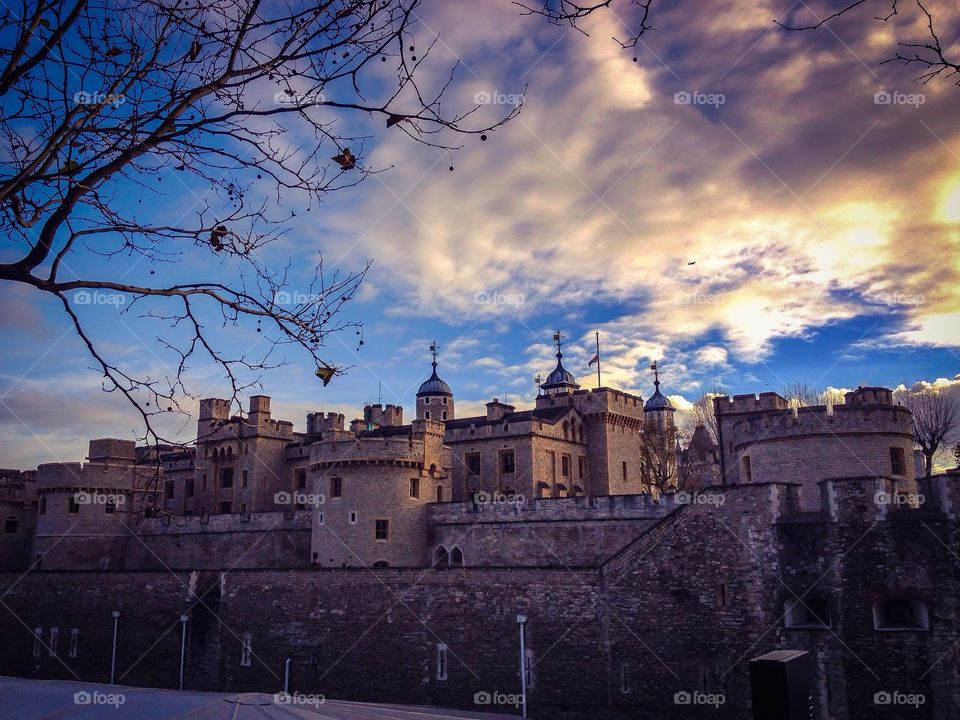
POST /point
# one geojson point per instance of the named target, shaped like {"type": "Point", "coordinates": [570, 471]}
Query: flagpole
{"type": "Point", "coordinates": [598, 360]}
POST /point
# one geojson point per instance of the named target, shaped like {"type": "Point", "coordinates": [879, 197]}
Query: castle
{"type": "Point", "coordinates": [802, 527]}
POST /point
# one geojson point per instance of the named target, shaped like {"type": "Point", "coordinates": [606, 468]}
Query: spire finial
{"type": "Point", "coordinates": [433, 353]}
{"type": "Point", "coordinates": [558, 339]}
{"type": "Point", "coordinates": [656, 374]}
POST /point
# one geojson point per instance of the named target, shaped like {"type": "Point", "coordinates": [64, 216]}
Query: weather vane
{"type": "Point", "coordinates": [558, 339]}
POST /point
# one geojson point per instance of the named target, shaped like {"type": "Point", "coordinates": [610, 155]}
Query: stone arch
{"type": "Point", "coordinates": [440, 556]}
{"type": "Point", "coordinates": [456, 557]}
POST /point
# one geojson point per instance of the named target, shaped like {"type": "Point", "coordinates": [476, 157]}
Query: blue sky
{"type": "Point", "coordinates": [824, 229]}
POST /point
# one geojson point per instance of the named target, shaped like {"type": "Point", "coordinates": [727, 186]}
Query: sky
{"type": "Point", "coordinates": [739, 204]}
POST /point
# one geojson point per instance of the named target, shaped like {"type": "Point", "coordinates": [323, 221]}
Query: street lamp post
{"type": "Point", "coordinates": [113, 652]}
{"type": "Point", "coordinates": [522, 621]}
{"type": "Point", "coordinates": [183, 645]}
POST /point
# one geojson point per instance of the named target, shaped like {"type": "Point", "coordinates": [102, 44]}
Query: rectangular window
{"type": "Point", "coordinates": [10, 526]}
{"type": "Point", "coordinates": [441, 661]}
{"type": "Point", "coordinates": [243, 507]}
{"type": "Point", "coordinates": [565, 465]}
{"type": "Point", "coordinates": [382, 530]}
{"type": "Point", "coordinates": [37, 641]}
{"type": "Point", "coordinates": [110, 506]}
{"type": "Point", "coordinates": [472, 461]}
{"type": "Point", "coordinates": [320, 518]}
{"type": "Point", "coordinates": [243, 477]}
{"type": "Point", "coordinates": [168, 490]}
{"type": "Point", "coordinates": [581, 466]}
{"type": "Point", "coordinates": [747, 470]}
{"type": "Point", "coordinates": [191, 488]}
{"type": "Point", "coordinates": [624, 678]}
{"type": "Point", "coordinates": [353, 517]}
{"type": "Point", "coordinates": [623, 469]}
{"type": "Point", "coordinates": [897, 464]}
{"type": "Point", "coordinates": [226, 478]}
{"type": "Point", "coordinates": [74, 639]}
{"type": "Point", "coordinates": [43, 505]}
{"type": "Point", "coordinates": [226, 507]}
{"type": "Point", "coordinates": [336, 487]}
{"type": "Point", "coordinates": [415, 487]}
{"type": "Point", "coordinates": [204, 481]}
{"type": "Point", "coordinates": [74, 506]}
{"type": "Point", "coordinates": [301, 479]}
{"type": "Point", "coordinates": [508, 462]}
{"type": "Point", "coordinates": [52, 645]}
{"type": "Point", "coordinates": [552, 464]}
{"type": "Point", "coordinates": [245, 651]}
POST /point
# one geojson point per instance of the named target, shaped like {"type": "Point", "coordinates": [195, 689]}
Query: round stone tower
{"type": "Point", "coordinates": [434, 398]}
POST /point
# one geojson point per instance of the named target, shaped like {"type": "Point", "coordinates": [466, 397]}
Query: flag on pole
{"type": "Point", "coordinates": [596, 359]}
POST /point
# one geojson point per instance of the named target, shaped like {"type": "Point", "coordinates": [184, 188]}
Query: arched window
{"type": "Point", "coordinates": [456, 556]}
{"type": "Point", "coordinates": [808, 612]}
{"type": "Point", "coordinates": [443, 415]}
{"type": "Point", "coordinates": [381, 563]}
{"type": "Point", "coordinates": [433, 469]}
{"type": "Point", "coordinates": [440, 557]}
{"type": "Point", "coordinates": [426, 415]}
{"type": "Point", "coordinates": [900, 614]}
{"type": "Point", "coordinates": [229, 453]}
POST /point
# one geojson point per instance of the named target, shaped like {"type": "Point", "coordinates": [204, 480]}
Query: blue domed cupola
{"type": "Point", "coordinates": [560, 380]}
{"type": "Point", "coordinates": [658, 403]}
{"type": "Point", "coordinates": [434, 398]}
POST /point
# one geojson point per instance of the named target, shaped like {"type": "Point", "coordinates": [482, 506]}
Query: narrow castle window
{"type": "Point", "coordinates": [722, 595]}
{"type": "Point", "coordinates": [52, 645]}
{"type": "Point", "coordinates": [43, 505]}
{"type": "Point", "coordinates": [191, 488]}
{"type": "Point", "coordinates": [456, 556]}
{"type": "Point", "coordinates": [415, 487]}
{"type": "Point", "coordinates": [381, 529]}
{"type": "Point", "coordinates": [168, 490]}
{"type": "Point", "coordinates": [353, 517]}
{"type": "Point", "coordinates": [426, 415]}
{"type": "Point", "coordinates": [623, 468]}
{"type": "Point", "coordinates": [245, 651]}
{"type": "Point", "coordinates": [74, 638]}
{"type": "Point", "coordinates": [301, 479]}
{"type": "Point", "coordinates": [226, 478]}
{"type": "Point", "coordinates": [443, 415]}
{"type": "Point", "coordinates": [581, 466]}
{"type": "Point", "coordinates": [243, 478]}
{"type": "Point", "coordinates": [10, 526]}
{"type": "Point", "coordinates": [110, 506]}
{"type": "Point", "coordinates": [426, 401]}
{"type": "Point", "coordinates": [565, 465]}
{"type": "Point", "coordinates": [320, 518]}
{"type": "Point", "coordinates": [747, 470]}
{"type": "Point", "coordinates": [472, 461]}
{"type": "Point", "coordinates": [898, 465]}
{"type": "Point", "coordinates": [37, 641]}
{"type": "Point", "coordinates": [336, 487]}
{"type": "Point", "coordinates": [226, 508]}
{"type": "Point", "coordinates": [624, 679]}
{"type": "Point", "coordinates": [444, 401]}
{"type": "Point", "coordinates": [74, 507]}
{"type": "Point", "coordinates": [440, 556]}
{"type": "Point", "coordinates": [507, 462]}
{"type": "Point", "coordinates": [439, 493]}
{"type": "Point", "coordinates": [441, 661]}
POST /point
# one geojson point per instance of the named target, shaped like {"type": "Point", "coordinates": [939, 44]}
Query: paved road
{"type": "Point", "coordinates": [22, 699]}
